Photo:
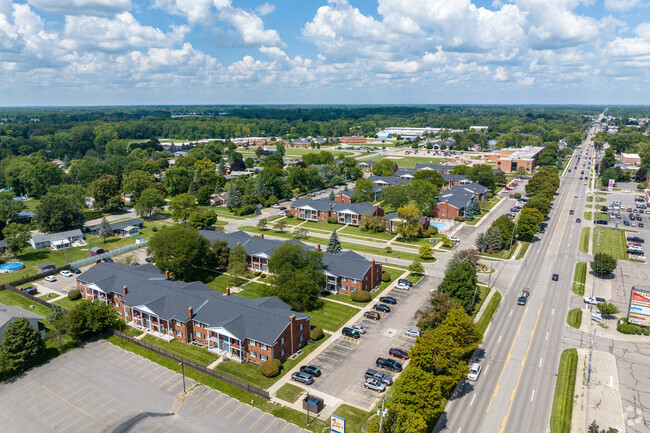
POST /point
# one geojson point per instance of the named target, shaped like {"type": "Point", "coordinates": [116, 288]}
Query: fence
{"type": "Point", "coordinates": [108, 254]}
{"type": "Point", "coordinates": [200, 368]}
{"type": "Point", "coordinates": [24, 294]}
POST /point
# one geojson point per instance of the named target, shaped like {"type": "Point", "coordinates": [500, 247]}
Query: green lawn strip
{"type": "Point", "coordinates": [579, 278]}
{"type": "Point", "coordinates": [355, 418]}
{"type": "Point", "coordinates": [132, 331]}
{"type": "Point", "coordinates": [390, 267]}
{"type": "Point", "coordinates": [224, 212]}
{"type": "Point", "coordinates": [250, 373]}
{"type": "Point", "coordinates": [219, 282]}
{"type": "Point", "coordinates": [66, 303]}
{"type": "Point", "coordinates": [289, 393]}
{"type": "Point", "coordinates": [601, 216]}
{"type": "Point", "coordinates": [193, 353]}
{"type": "Point", "coordinates": [564, 392]}
{"type": "Point", "coordinates": [331, 316]}
{"type": "Point", "coordinates": [482, 294]}
{"type": "Point", "coordinates": [584, 239]}
{"type": "Point", "coordinates": [414, 278]}
{"type": "Point", "coordinates": [522, 250]}
{"type": "Point", "coordinates": [48, 296]}
{"type": "Point", "coordinates": [358, 231]}
{"type": "Point", "coordinates": [285, 413]}
{"type": "Point", "coordinates": [253, 290]}
{"type": "Point", "coordinates": [11, 298]}
{"type": "Point", "coordinates": [587, 215]}
{"type": "Point", "coordinates": [290, 222]}
{"type": "Point", "coordinates": [489, 311]}
{"type": "Point", "coordinates": [601, 199]}
{"type": "Point", "coordinates": [503, 254]}
{"type": "Point", "coordinates": [610, 241]}
{"type": "Point", "coordinates": [574, 318]}
{"type": "Point", "coordinates": [416, 242]}
{"type": "Point", "coordinates": [590, 198]}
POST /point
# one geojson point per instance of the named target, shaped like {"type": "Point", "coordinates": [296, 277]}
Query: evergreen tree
{"type": "Point", "coordinates": [332, 196]}
{"type": "Point", "coordinates": [105, 231]}
{"type": "Point", "coordinates": [494, 240]}
{"type": "Point", "coordinates": [233, 198]}
{"type": "Point", "coordinates": [21, 345]}
{"type": "Point", "coordinates": [334, 245]}
{"type": "Point", "coordinates": [221, 168]}
{"type": "Point", "coordinates": [481, 242]}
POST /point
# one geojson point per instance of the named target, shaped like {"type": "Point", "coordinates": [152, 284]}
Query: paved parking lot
{"type": "Point", "coordinates": [102, 388]}
{"type": "Point", "coordinates": [345, 361]}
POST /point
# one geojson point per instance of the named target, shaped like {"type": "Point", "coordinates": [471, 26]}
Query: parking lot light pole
{"type": "Point", "coordinates": [307, 407]}
{"type": "Point", "coordinates": [183, 373]}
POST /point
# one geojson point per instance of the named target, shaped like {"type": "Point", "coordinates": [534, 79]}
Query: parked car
{"type": "Point", "coordinates": [360, 329]}
{"type": "Point", "coordinates": [388, 364]}
{"type": "Point", "coordinates": [398, 353]}
{"type": "Point", "coordinates": [640, 224]}
{"type": "Point", "coordinates": [379, 375]}
{"type": "Point", "coordinates": [372, 315]}
{"type": "Point", "coordinates": [635, 251]}
{"type": "Point", "coordinates": [388, 300]}
{"type": "Point", "coordinates": [281, 214]}
{"type": "Point", "coordinates": [413, 332]}
{"type": "Point", "coordinates": [305, 378]}
{"type": "Point", "coordinates": [66, 273]}
{"type": "Point", "coordinates": [50, 278]}
{"type": "Point", "coordinates": [474, 371]}
{"type": "Point", "coordinates": [401, 286]}
{"type": "Point", "coordinates": [30, 290]}
{"type": "Point", "coordinates": [75, 270]}
{"type": "Point", "coordinates": [148, 260]}
{"type": "Point", "coordinates": [381, 307]}
{"type": "Point", "coordinates": [578, 220]}
{"type": "Point", "coordinates": [594, 300]}
{"type": "Point", "coordinates": [349, 332]}
{"type": "Point", "coordinates": [310, 369]}
{"type": "Point", "coordinates": [514, 209]}
{"type": "Point", "coordinates": [405, 281]}
{"type": "Point", "coordinates": [635, 239]}
{"type": "Point", "coordinates": [108, 260]}
{"type": "Point", "coordinates": [511, 215]}
{"type": "Point", "coordinates": [375, 385]}
{"type": "Point", "coordinates": [454, 238]}
{"type": "Point", "coordinates": [626, 223]}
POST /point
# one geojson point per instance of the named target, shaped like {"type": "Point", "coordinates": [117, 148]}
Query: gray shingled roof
{"type": "Point", "coordinates": [10, 312]}
{"type": "Point", "coordinates": [262, 319]}
{"type": "Point", "coordinates": [40, 237]}
{"type": "Point", "coordinates": [460, 195]}
{"type": "Point", "coordinates": [346, 264]}
{"type": "Point", "coordinates": [455, 177]}
{"type": "Point", "coordinates": [121, 225]}
{"type": "Point", "coordinates": [232, 239]}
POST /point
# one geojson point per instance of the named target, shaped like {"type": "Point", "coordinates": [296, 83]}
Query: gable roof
{"type": "Point", "coordinates": [38, 238]}
{"type": "Point", "coordinates": [121, 225]}
{"type": "Point", "coordinates": [346, 264]}
{"type": "Point", "coordinates": [232, 239]}
{"type": "Point", "coordinates": [262, 319]}
{"type": "Point", "coordinates": [11, 312]}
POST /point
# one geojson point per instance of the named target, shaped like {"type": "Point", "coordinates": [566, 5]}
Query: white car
{"type": "Point", "coordinates": [360, 329]}
{"type": "Point", "coordinates": [50, 278]}
{"type": "Point", "coordinates": [474, 371]}
{"type": "Point", "coordinates": [402, 286]}
{"type": "Point", "coordinates": [375, 385]}
{"type": "Point", "coordinates": [66, 273]}
{"type": "Point", "coordinates": [282, 214]}
{"type": "Point", "coordinates": [413, 332]}
{"type": "Point", "coordinates": [454, 238]}
{"type": "Point", "coordinates": [593, 300]}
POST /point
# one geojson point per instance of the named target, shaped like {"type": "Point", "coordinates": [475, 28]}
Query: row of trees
{"type": "Point", "coordinates": [541, 188]}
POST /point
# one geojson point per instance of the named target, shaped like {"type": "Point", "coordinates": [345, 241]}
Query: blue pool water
{"type": "Point", "coordinates": [11, 267]}
{"type": "Point", "coordinates": [439, 226]}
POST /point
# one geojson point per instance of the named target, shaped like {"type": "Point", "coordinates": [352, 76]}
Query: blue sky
{"type": "Point", "coordinates": [112, 52]}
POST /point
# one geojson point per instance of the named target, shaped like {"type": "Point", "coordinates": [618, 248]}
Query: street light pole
{"type": "Point", "coordinates": [183, 373]}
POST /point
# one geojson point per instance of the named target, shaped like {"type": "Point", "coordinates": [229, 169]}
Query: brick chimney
{"type": "Point", "coordinates": [292, 318]}
{"type": "Point", "coordinates": [97, 261]}
{"type": "Point", "coordinates": [318, 247]}
{"type": "Point", "coordinates": [167, 275]}
{"type": "Point", "coordinates": [125, 289]}
{"type": "Point", "coordinates": [262, 236]}
{"type": "Point", "coordinates": [227, 291]}
{"type": "Point", "coordinates": [465, 195]}
{"type": "Point", "coordinates": [190, 312]}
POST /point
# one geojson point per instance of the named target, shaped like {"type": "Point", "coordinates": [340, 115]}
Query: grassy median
{"type": "Point", "coordinates": [564, 391]}
{"type": "Point", "coordinates": [584, 239]}
{"type": "Point", "coordinates": [579, 278]}
{"type": "Point", "coordinates": [489, 311]}
{"type": "Point", "coordinates": [574, 318]}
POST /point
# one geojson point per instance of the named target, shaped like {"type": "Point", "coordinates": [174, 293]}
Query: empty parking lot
{"type": "Point", "coordinates": [102, 388]}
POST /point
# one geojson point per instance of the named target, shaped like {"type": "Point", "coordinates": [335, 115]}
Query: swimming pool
{"type": "Point", "coordinates": [439, 226]}
{"type": "Point", "coordinates": [11, 267]}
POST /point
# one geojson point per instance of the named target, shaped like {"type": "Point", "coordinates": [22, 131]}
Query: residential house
{"type": "Point", "coordinates": [452, 180]}
{"type": "Point", "coordinates": [56, 241]}
{"type": "Point", "coordinates": [452, 203]}
{"type": "Point", "coordinates": [366, 165]}
{"type": "Point", "coordinates": [344, 196]}
{"type": "Point", "coordinates": [218, 200]}
{"type": "Point", "coordinates": [238, 328]}
{"type": "Point", "coordinates": [10, 313]}
{"type": "Point", "coordinates": [123, 229]}
{"type": "Point", "coordinates": [392, 221]}
{"type": "Point", "coordinates": [405, 174]}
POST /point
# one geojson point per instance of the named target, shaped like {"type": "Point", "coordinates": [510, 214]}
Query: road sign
{"type": "Point", "coordinates": [337, 424]}
{"type": "Point", "coordinates": [639, 308]}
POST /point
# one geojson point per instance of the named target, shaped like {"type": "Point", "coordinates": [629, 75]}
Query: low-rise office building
{"type": "Point", "coordinates": [512, 159]}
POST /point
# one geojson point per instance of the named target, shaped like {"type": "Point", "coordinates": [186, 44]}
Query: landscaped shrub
{"type": "Point", "coordinates": [361, 296]}
{"type": "Point", "coordinates": [154, 229]}
{"type": "Point", "coordinates": [459, 219]}
{"type": "Point", "coordinates": [316, 333]}
{"type": "Point", "coordinates": [517, 195]}
{"type": "Point", "coordinates": [432, 231]}
{"type": "Point", "coordinates": [332, 220]}
{"type": "Point", "coordinates": [385, 277]}
{"type": "Point", "coordinates": [289, 215]}
{"type": "Point", "coordinates": [388, 250]}
{"type": "Point", "coordinates": [625, 328]}
{"type": "Point", "coordinates": [246, 209]}
{"type": "Point", "coordinates": [490, 195]}
{"type": "Point", "coordinates": [257, 273]}
{"type": "Point", "coordinates": [641, 185]}
{"type": "Point", "coordinates": [73, 295]}
{"type": "Point", "coordinates": [269, 368]}
{"type": "Point", "coordinates": [277, 362]}
{"type": "Point", "coordinates": [646, 331]}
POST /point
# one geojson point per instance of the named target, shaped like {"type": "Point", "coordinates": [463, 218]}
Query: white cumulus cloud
{"type": "Point", "coordinates": [83, 7]}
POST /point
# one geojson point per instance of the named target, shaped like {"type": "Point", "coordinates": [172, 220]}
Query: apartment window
{"type": "Point", "coordinates": [252, 354]}
{"type": "Point", "coordinates": [264, 357]}
{"type": "Point", "coordinates": [263, 346]}
{"type": "Point", "coordinates": [302, 337]}
{"type": "Point", "coordinates": [179, 333]}
{"type": "Point", "coordinates": [251, 343]}
{"type": "Point", "coordinates": [197, 334]}
{"type": "Point", "coordinates": [282, 352]}
{"type": "Point", "coordinates": [302, 325]}
{"type": "Point", "coordinates": [282, 340]}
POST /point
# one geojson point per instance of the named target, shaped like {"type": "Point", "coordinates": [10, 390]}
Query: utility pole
{"type": "Point", "coordinates": [183, 373]}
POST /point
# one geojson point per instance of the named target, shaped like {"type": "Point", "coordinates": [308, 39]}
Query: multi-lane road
{"type": "Point", "coordinates": [521, 351]}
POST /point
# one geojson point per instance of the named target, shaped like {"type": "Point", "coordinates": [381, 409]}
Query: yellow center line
{"type": "Point", "coordinates": [247, 413]}
{"type": "Point", "coordinates": [507, 359]}
{"type": "Point", "coordinates": [151, 371]}
{"type": "Point", "coordinates": [556, 227]}
{"type": "Point", "coordinates": [72, 404]}
{"type": "Point", "coordinates": [159, 376]}
{"type": "Point", "coordinates": [127, 359]}
{"type": "Point", "coordinates": [523, 361]}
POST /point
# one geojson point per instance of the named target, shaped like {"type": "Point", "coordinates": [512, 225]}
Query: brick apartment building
{"type": "Point", "coordinates": [354, 140]}
{"type": "Point", "coordinates": [241, 329]}
{"type": "Point", "coordinates": [452, 203]}
{"type": "Point", "coordinates": [630, 159]}
{"type": "Point", "coordinates": [345, 213]}
{"type": "Point", "coordinates": [511, 159]}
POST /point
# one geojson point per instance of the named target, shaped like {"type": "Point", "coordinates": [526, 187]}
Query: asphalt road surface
{"type": "Point", "coordinates": [520, 355]}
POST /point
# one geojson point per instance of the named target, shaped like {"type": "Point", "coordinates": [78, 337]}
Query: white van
{"type": "Point", "coordinates": [474, 371]}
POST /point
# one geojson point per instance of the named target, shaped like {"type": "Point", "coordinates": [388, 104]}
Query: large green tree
{"type": "Point", "coordinates": [603, 263]}
{"type": "Point", "coordinates": [395, 196]}
{"type": "Point", "coordinates": [136, 182]}
{"type": "Point", "coordinates": [333, 244]}
{"type": "Point", "coordinates": [237, 266]}
{"type": "Point", "coordinates": [460, 283]}
{"type": "Point", "coordinates": [181, 250]}
{"type": "Point", "coordinates": [150, 202]}
{"type": "Point", "coordinates": [21, 345]}
{"type": "Point", "coordinates": [181, 207]}
{"type": "Point", "coordinates": [104, 189]}
{"type": "Point", "coordinates": [362, 190]}
{"type": "Point", "coordinates": [409, 224]}
{"type": "Point", "coordinates": [16, 237]}
{"type": "Point", "coordinates": [90, 318]}
{"type": "Point", "coordinates": [57, 213]}
{"type": "Point", "coordinates": [435, 311]}
{"type": "Point", "coordinates": [177, 180]}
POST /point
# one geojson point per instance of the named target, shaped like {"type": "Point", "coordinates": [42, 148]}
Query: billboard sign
{"type": "Point", "coordinates": [611, 184]}
{"type": "Point", "coordinates": [639, 310]}
{"type": "Point", "coordinates": [337, 424]}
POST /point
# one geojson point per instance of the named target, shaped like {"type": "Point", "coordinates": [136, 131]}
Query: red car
{"type": "Point", "coordinates": [398, 353]}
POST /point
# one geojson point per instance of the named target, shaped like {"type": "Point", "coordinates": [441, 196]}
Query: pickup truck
{"type": "Point", "coordinates": [523, 297]}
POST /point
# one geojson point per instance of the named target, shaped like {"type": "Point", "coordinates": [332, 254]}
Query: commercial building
{"type": "Point", "coordinates": [354, 140]}
{"type": "Point", "coordinates": [511, 159]}
{"type": "Point", "coordinates": [630, 159]}
{"type": "Point", "coordinates": [238, 328]}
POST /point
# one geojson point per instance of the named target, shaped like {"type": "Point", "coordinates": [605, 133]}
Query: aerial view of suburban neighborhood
{"type": "Point", "coordinates": [210, 221]}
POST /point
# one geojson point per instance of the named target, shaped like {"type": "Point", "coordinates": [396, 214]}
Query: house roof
{"type": "Point", "coordinates": [121, 225]}
{"type": "Point", "coordinates": [262, 319]}
{"type": "Point", "coordinates": [404, 172]}
{"type": "Point", "coordinates": [40, 237]}
{"type": "Point", "coordinates": [460, 195]}
{"type": "Point", "coordinates": [253, 246]}
{"type": "Point", "coordinates": [323, 205]}
{"type": "Point", "coordinates": [346, 264]}
{"type": "Point", "coordinates": [393, 217]}
{"type": "Point", "coordinates": [232, 239]}
{"type": "Point", "coordinates": [390, 180]}
{"type": "Point", "coordinates": [11, 312]}
{"type": "Point", "coordinates": [453, 177]}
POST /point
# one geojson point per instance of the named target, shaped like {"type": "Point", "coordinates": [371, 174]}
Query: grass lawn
{"type": "Point", "coordinates": [219, 283]}
{"type": "Point", "coordinates": [587, 215]}
{"type": "Point", "coordinates": [31, 204]}
{"type": "Point", "coordinates": [357, 231]}
{"type": "Point", "coordinates": [503, 254]}
{"type": "Point", "coordinates": [250, 373]}
{"type": "Point", "coordinates": [483, 292]}
{"type": "Point", "coordinates": [574, 318]}
{"type": "Point", "coordinates": [414, 278]}
{"type": "Point", "coordinates": [489, 311]}
{"type": "Point", "coordinates": [331, 316]}
{"type": "Point", "coordinates": [602, 216]}
{"type": "Point", "coordinates": [48, 296]}
{"type": "Point", "coordinates": [610, 241]}
{"type": "Point", "coordinates": [223, 211]}
{"type": "Point", "coordinates": [522, 250]}
{"type": "Point", "coordinates": [564, 392]}
{"type": "Point", "coordinates": [585, 234]}
{"type": "Point", "coordinates": [285, 413]}
{"type": "Point", "coordinates": [193, 353]}
{"type": "Point", "coordinates": [410, 161]}
{"type": "Point", "coordinates": [601, 199]}
{"type": "Point", "coordinates": [355, 418]}
{"type": "Point", "coordinates": [252, 290]}
{"type": "Point", "coordinates": [579, 277]}
{"type": "Point", "coordinates": [486, 205]}
{"type": "Point", "coordinates": [11, 298]}
{"type": "Point", "coordinates": [289, 393]}
{"type": "Point", "coordinates": [67, 303]}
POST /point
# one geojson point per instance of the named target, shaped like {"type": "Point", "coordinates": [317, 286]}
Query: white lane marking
{"type": "Point", "coordinates": [499, 341]}
{"type": "Point", "coordinates": [532, 396]}
{"type": "Point", "coordinates": [458, 429]}
{"type": "Point", "coordinates": [486, 369]}
{"type": "Point", "coordinates": [547, 336]}
{"type": "Point", "coordinates": [470, 403]}
{"type": "Point", "coordinates": [553, 312]}
{"type": "Point", "coordinates": [511, 313]}
{"type": "Point", "coordinates": [540, 361]}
